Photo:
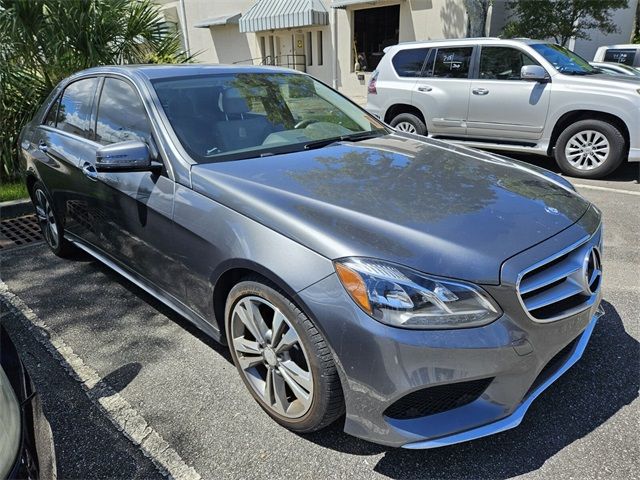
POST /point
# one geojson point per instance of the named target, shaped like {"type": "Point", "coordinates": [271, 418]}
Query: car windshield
{"type": "Point", "coordinates": [244, 115]}
{"type": "Point", "coordinates": [565, 61]}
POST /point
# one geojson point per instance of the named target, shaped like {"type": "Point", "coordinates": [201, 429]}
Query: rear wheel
{"type": "Point", "coordinates": [410, 123]}
{"type": "Point", "coordinates": [282, 358]}
{"type": "Point", "coordinates": [50, 224]}
{"type": "Point", "coordinates": [590, 149]}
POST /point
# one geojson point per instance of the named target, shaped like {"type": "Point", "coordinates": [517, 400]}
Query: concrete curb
{"type": "Point", "coordinates": [15, 208]}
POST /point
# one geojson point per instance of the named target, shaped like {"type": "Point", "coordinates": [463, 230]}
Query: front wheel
{"type": "Point", "coordinates": [282, 358]}
{"type": "Point", "coordinates": [590, 149]}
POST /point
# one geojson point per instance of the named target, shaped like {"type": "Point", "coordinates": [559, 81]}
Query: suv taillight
{"type": "Point", "coordinates": [371, 88]}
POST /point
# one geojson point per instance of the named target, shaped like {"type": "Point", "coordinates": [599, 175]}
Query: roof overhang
{"type": "Point", "coordinates": [230, 19]}
{"type": "Point", "coordinates": [348, 3]}
{"type": "Point", "coordinates": [278, 14]}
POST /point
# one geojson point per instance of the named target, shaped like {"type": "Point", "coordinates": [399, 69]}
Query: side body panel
{"type": "Point", "coordinates": [508, 110]}
{"type": "Point", "coordinates": [212, 239]}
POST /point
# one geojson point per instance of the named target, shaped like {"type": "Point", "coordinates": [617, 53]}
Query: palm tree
{"type": "Point", "coordinates": [43, 41]}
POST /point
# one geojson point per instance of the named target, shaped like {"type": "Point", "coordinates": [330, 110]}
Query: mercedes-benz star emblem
{"type": "Point", "coordinates": [591, 271]}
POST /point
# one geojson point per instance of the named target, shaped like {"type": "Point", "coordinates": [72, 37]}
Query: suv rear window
{"type": "Point", "coordinates": [626, 56]}
{"type": "Point", "coordinates": [409, 62]}
{"type": "Point", "coordinates": [452, 62]}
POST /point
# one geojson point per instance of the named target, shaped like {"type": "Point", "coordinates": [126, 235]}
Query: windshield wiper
{"type": "Point", "coordinates": [352, 137]}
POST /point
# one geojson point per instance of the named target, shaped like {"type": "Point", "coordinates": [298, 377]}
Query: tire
{"type": "Point", "coordinates": [406, 121]}
{"type": "Point", "coordinates": [50, 223]}
{"type": "Point", "coordinates": [573, 152]}
{"type": "Point", "coordinates": [325, 401]}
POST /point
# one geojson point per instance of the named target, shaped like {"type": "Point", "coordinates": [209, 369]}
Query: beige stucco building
{"type": "Point", "coordinates": [337, 41]}
{"type": "Point", "coordinates": [322, 37]}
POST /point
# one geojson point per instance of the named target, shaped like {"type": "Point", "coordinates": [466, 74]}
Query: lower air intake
{"type": "Point", "coordinates": [432, 400]}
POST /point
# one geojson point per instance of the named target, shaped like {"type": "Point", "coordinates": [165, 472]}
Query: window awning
{"type": "Point", "coordinates": [347, 3]}
{"type": "Point", "coordinates": [274, 14]}
{"type": "Point", "coordinates": [218, 21]}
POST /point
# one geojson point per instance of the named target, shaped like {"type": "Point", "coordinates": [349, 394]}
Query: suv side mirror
{"type": "Point", "coordinates": [534, 73]}
{"type": "Point", "coordinates": [129, 156]}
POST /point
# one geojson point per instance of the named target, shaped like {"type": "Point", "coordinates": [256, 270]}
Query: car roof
{"type": "Point", "coordinates": [475, 41]}
{"type": "Point", "coordinates": [155, 71]}
{"type": "Point", "coordinates": [626, 45]}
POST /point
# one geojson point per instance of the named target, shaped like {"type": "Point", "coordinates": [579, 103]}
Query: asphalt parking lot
{"type": "Point", "coordinates": [111, 363]}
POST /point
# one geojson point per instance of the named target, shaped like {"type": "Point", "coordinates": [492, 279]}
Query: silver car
{"type": "Point", "coordinates": [422, 293]}
{"type": "Point", "coordinates": [511, 95]}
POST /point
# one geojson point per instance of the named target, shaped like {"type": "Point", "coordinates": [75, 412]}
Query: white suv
{"type": "Point", "coordinates": [512, 95]}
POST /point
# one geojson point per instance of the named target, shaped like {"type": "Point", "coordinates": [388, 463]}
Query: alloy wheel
{"type": "Point", "coordinates": [587, 150]}
{"type": "Point", "coordinates": [272, 357]}
{"type": "Point", "coordinates": [46, 219]}
{"type": "Point", "coordinates": [406, 127]}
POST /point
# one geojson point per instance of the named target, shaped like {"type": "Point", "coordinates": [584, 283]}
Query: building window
{"type": "Point", "coordinates": [309, 48]}
{"type": "Point", "coordinates": [263, 49]}
{"type": "Point", "coordinates": [374, 29]}
{"type": "Point", "coordinates": [320, 47]}
{"type": "Point", "coordinates": [272, 51]}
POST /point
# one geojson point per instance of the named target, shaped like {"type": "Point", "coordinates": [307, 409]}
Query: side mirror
{"type": "Point", "coordinates": [534, 73]}
{"type": "Point", "coordinates": [129, 156]}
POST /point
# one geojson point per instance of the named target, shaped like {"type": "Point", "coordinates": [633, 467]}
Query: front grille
{"type": "Point", "coordinates": [441, 398]}
{"type": "Point", "coordinates": [562, 285]}
{"type": "Point", "coordinates": [554, 364]}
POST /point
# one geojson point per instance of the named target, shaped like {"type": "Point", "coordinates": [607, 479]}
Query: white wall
{"type": "Point", "coordinates": [419, 20]}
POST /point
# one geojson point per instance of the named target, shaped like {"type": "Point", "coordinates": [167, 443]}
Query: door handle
{"type": "Point", "coordinates": [90, 171]}
{"type": "Point", "coordinates": [480, 91]}
{"type": "Point", "coordinates": [42, 146]}
{"type": "Point", "coordinates": [424, 88]}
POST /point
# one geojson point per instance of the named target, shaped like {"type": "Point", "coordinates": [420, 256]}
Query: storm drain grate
{"type": "Point", "coordinates": [16, 232]}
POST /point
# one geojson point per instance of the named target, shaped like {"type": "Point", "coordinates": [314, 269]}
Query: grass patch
{"type": "Point", "coordinates": [13, 191]}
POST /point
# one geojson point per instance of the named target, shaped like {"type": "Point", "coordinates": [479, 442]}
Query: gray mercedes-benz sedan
{"type": "Point", "coordinates": [426, 292]}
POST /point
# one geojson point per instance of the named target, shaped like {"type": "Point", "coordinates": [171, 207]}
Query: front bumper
{"type": "Point", "coordinates": [516, 417]}
{"type": "Point", "coordinates": [36, 455]}
{"type": "Point", "coordinates": [381, 365]}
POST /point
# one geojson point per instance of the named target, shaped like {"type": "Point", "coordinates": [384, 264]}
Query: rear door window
{"type": "Point", "coordinates": [625, 56]}
{"type": "Point", "coordinates": [121, 115]}
{"type": "Point", "coordinates": [74, 114]}
{"type": "Point", "coordinates": [409, 62]}
{"type": "Point", "coordinates": [452, 62]}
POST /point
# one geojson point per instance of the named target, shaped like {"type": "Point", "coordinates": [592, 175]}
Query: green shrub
{"type": "Point", "coordinates": [43, 41]}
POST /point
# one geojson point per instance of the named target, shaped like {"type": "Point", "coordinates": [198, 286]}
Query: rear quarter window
{"type": "Point", "coordinates": [409, 62]}
{"type": "Point", "coordinates": [625, 56]}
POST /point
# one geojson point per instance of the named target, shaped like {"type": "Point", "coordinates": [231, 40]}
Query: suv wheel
{"type": "Point", "coordinates": [50, 224]}
{"type": "Point", "coordinates": [590, 149]}
{"type": "Point", "coordinates": [408, 122]}
{"type": "Point", "coordinates": [282, 358]}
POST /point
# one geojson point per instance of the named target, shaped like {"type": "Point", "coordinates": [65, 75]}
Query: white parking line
{"type": "Point", "coordinates": [606, 189]}
{"type": "Point", "coordinates": [118, 410]}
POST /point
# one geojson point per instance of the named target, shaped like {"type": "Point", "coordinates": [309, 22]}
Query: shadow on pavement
{"type": "Point", "coordinates": [601, 383]}
{"type": "Point", "coordinates": [627, 172]}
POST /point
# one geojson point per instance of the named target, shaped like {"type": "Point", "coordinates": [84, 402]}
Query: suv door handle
{"type": "Point", "coordinates": [480, 91]}
{"type": "Point", "coordinates": [424, 88]}
{"type": "Point", "coordinates": [42, 146]}
{"type": "Point", "coordinates": [90, 171]}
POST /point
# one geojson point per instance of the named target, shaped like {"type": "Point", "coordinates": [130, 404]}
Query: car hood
{"type": "Point", "coordinates": [441, 209]}
{"type": "Point", "coordinates": [616, 83]}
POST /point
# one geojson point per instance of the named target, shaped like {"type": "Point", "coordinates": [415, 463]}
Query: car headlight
{"type": "Point", "coordinates": [401, 297]}
{"type": "Point", "coordinates": [9, 425]}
